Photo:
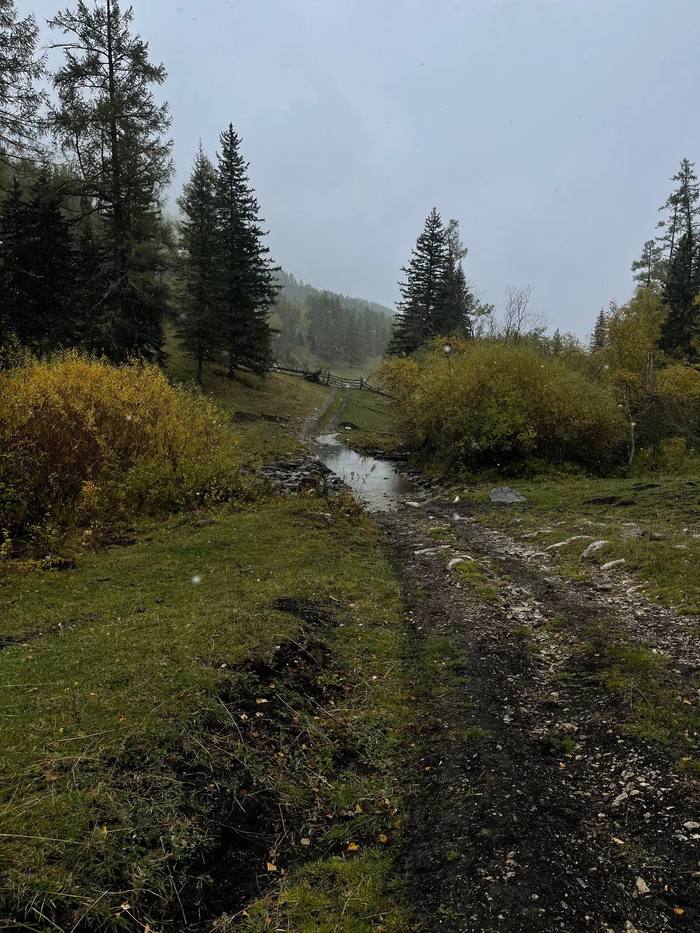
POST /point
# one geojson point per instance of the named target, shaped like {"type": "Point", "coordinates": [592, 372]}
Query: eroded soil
{"type": "Point", "coordinates": [541, 803]}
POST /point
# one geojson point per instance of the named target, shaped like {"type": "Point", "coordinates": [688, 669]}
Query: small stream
{"type": "Point", "coordinates": [376, 483]}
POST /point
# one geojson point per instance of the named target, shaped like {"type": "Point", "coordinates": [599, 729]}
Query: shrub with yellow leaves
{"type": "Point", "coordinates": [485, 403]}
{"type": "Point", "coordinates": [82, 440]}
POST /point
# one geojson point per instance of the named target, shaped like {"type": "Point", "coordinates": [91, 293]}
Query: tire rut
{"type": "Point", "coordinates": [536, 810]}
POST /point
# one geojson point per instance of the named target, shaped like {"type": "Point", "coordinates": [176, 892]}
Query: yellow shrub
{"type": "Point", "coordinates": [489, 402]}
{"type": "Point", "coordinates": [80, 436]}
{"type": "Point", "coordinates": [679, 381]}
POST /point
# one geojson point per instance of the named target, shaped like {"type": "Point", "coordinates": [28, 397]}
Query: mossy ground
{"type": "Point", "coordinates": [161, 764]}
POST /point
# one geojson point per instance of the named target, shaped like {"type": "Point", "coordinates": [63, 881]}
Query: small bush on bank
{"type": "Point", "coordinates": [491, 403]}
{"type": "Point", "coordinates": [82, 441]}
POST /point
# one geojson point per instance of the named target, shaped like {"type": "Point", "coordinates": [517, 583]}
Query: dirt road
{"type": "Point", "coordinates": [537, 808]}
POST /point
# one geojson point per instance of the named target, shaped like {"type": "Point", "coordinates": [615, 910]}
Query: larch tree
{"type": "Point", "coordinates": [107, 119]}
{"type": "Point", "coordinates": [649, 269]}
{"type": "Point", "coordinates": [199, 329]}
{"type": "Point", "coordinates": [247, 285]}
{"type": "Point", "coordinates": [20, 70]}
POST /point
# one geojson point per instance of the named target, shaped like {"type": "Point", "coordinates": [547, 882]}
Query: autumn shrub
{"type": "Point", "coordinates": [489, 403]}
{"type": "Point", "coordinates": [82, 441]}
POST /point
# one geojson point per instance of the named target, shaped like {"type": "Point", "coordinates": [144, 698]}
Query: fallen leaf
{"type": "Point", "coordinates": [383, 838]}
{"type": "Point", "coordinates": [271, 866]}
{"type": "Point", "coordinates": [678, 911]}
{"type": "Point", "coordinates": [305, 841]}
{"type": "Point", "coordinates": [353, 847]}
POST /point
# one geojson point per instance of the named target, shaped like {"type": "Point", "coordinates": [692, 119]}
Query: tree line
{"type": "Point", "coordinates": [87, 257]}
{"type": "Point", "coordinates": [316, 326]}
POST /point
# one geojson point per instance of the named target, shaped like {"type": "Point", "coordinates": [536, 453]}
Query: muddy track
{"type": "Point", "coordinates": [536, 809]}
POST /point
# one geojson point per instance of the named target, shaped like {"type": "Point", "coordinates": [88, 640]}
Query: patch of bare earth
{"type": "Point", "coordinates": [538, 808]}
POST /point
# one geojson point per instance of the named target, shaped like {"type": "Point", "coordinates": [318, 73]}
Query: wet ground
{"type": "Point", "coordinates": [376, 483]}
{"type": "Point", "coordinates": [536, 807]}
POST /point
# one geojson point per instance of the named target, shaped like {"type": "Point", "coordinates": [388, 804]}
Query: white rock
{"type": "Point", "coordinates": [614, 563]}
{"type": "Point", "coordinates": [691, 824]}
{"type": "Point", "coordinates": [592, 548]}
{"type": "Point", "coordinates": [555, 547]}
{"type": "Point", "coordinates": [642, 886]}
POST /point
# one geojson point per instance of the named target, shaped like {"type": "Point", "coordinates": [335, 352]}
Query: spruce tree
{"type": "Point", "coordinates": [198, 330]}
{"type": "Point", "coordinates": [600, 331]}
{"type": "Point", "coordinates": [247, 285]}
{"type": "Point", "coordinates": [423, 290]}
{"type": "Point", "coordinates": [108, 120]}
{"type": "Point", "coordinates": [20, 68]}
{"type": "Point", "coordinates": [680, 334]}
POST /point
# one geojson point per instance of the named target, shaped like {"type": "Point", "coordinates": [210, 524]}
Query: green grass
{"type": "Point", "coordinates": [561, 506]}
{"type": "Point", "coordinates": [663, 709]}
{"type": "Point", "coordinates": [371, 420]}
{"type": "Point", "coordinates": [144, 713]}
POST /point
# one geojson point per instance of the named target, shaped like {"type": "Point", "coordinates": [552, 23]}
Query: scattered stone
{"type": "Point", "coordinates": [504, 495]}
{"type": "Point", "coordinates": [691, 824]}
{"type": "Point", "coordinates": [560, 544]}
{"type": "Point", "coordinates": [642, 887]}
{"type": "Point", "coordinates": [614, 563]}
{"type": "Point", "coordinates": [632, 531]}
{"type": "Point", "coordinates": [593, 548]}
{"type": "Point", "coordinates": [455, 562]}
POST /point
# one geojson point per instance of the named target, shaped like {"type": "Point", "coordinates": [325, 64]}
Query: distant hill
{"type": "Point", "coordinates": [317, 327]}
{"type": "Point", "coordinates": [297, 292]}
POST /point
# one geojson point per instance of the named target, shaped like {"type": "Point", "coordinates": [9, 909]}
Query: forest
{"type": "Point", "coordinates": [89, 257]}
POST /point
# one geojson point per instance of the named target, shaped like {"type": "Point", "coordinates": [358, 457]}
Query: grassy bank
{"type": "Point", "coordinates": [207, 713]}
{"type": "Point", "coordinates": [367, 421]}
{"type": "Point", "coordinates": [650, 521]}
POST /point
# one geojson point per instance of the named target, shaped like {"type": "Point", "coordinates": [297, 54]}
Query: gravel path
{"type": "Point", "coordinates": [537, 809]}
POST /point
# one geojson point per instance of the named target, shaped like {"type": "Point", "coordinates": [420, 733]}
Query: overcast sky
{"type": "Point", "coordinates": [549, 128]}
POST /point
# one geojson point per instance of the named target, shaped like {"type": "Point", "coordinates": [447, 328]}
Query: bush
{"type": "Point", "coordinates": [490, 403]}
{"type": "Point", "coordinates": [82, 441]}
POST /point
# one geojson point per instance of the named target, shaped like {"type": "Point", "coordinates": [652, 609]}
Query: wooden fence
{"type": "Point", "coordinates": [329, 379]}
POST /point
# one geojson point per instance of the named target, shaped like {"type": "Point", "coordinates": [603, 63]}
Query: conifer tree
{"type": "Point", "coordinates": [600, 331]}
{"type": "Point", "coordinates": [453, 314]}
{"type": "Point", "coordinates": [680, 334]}
{"type": "Point", "coordinates": [199, 330]}
{"type": "Point", "coordinates": [20, 69]}
{"type": "Point", "coordinates": [649, 268]}
{"type": "Point", "coordinates": [107, 119]}
{"type": "Point", "coordinates": [38, 267]}
{"type": "Point", "coordinates": [683, 210]}
{"type": "Point", "coordinates": [247, 277]}
{"type": "Point", "coordinates": [423, 290]}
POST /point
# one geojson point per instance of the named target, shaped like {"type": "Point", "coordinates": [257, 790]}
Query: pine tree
{"type": "Point", "coordinates": [452, 316]}
{"type": "Point", "coordinates": [106, 117]}
{"type": "Point", "coordinates": [20, 68]}
{"type": "Point", "coordinates": [247, 277]}
{"type": "Point", "coordinates": [199, 331]}
{"type": "Point", "coordinates": [681, 329]}
{"type": "Point", "coordinates": [649, 268]}
{"type": "Point", "coordinates": [600, 331]}
{"type": "Point", "coordinates": [423, 291]}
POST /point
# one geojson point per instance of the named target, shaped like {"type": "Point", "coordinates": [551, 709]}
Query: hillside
{"type": "Point", "coordinates": [327, 329]}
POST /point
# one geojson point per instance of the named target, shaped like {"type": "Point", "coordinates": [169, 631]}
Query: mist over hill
{"type": "Point", "coordinates": [321, 327]}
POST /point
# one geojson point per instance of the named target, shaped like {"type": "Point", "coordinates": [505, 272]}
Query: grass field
{"type": "Point", "coordinates": [207, 713]}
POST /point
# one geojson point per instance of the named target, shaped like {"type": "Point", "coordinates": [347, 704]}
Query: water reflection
{"type": "Point", "coordinates": [375, 482]}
